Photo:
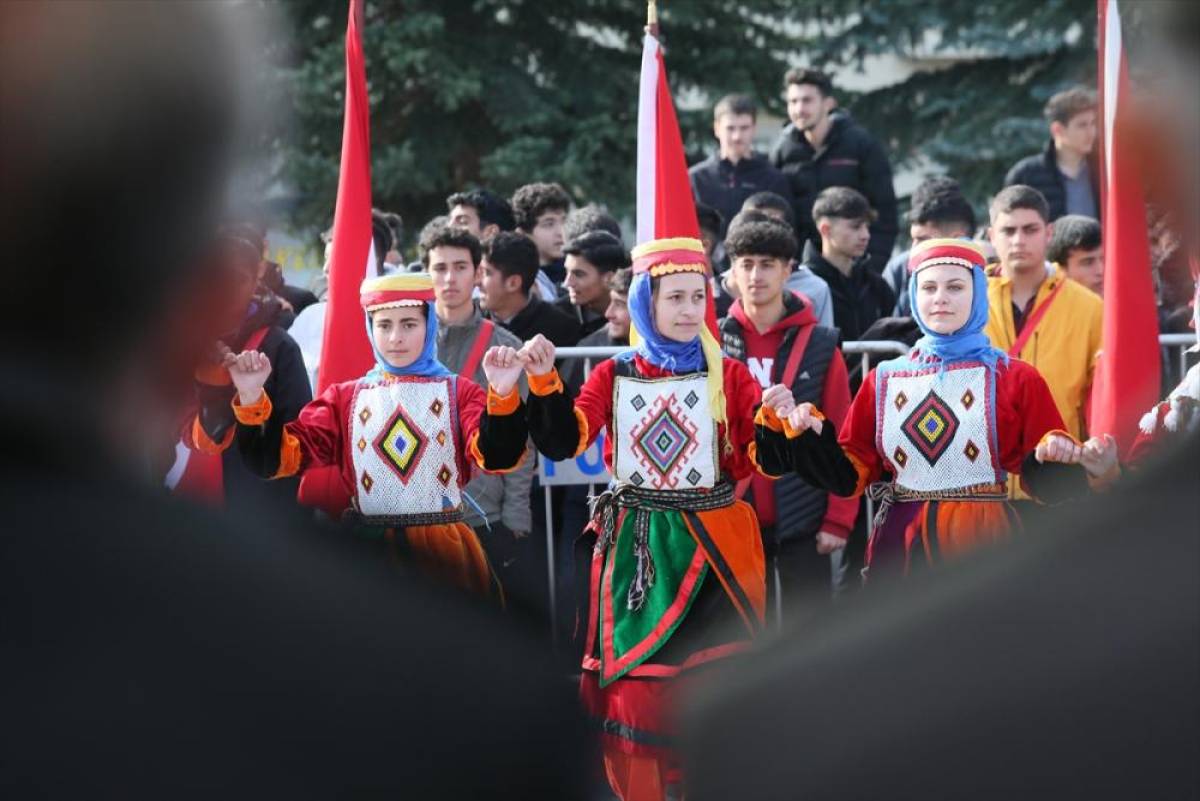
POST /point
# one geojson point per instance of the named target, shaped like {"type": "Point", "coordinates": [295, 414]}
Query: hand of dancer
{"type": "Point", "coordinates": [1057, 448]}
{"type": "Point", "coordinates": [249, 371]}
{"type": "Point", "coordinates": [779, 400]}
{"type": "Point", "coordinates": [539, 355]}
{"type": "Point", "coordinates": [1099, 456]}
{"type": "Point", "coordinates": [828, 543]}
{"type": "Point", "coordinates": [804, 417]}
{"type": "Point", "coordinates": [502, 365]}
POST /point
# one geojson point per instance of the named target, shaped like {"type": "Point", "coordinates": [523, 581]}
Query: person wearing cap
{"type": "Point", "coordinates": [949, 421]}
{"type": "Point", "coordinates": [405, 436]}
{"type": "Point", "coordinates": [677, 568]}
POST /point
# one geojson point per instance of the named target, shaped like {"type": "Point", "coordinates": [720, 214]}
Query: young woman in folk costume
{"type": "Point", "coordinates": [948, 421]}
{"type": "Point", "coordinates": [677, 571]}
{"type": "Point", "coordinates": [405, 436]}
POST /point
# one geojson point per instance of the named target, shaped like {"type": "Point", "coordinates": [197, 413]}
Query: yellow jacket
{"type": "Point", "coordinates": [1064, 345]}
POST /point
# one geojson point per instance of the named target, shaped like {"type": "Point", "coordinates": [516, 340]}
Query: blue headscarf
{"type": "Point", "coordinates": [669, 354]}
{"type": "Point", "coordinates": [426, 364]}
{"type": "Point", "coordinates": [968, 343]}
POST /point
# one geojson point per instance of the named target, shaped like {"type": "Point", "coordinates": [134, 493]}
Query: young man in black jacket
{"type": "Point", "coordinates": [1065, 172]}
{"type": "Point", "coordinates": [860, 296]}
{"type": "Point", "coordinates": [735, 172]}
{"type": "Point", "coordinates": [821, 147]}
{"type": "Point", "coordinates": [506, 282]}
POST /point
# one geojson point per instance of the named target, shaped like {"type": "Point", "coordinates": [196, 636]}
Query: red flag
{"type": "Point", "coordinates": [665, 206]}
{"type": "Point", "coordinates": [1127, 375]}
{"type": "Point", "coordinates": [345, 351]}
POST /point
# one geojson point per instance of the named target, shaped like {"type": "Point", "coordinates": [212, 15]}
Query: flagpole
{"type": "Point", "coordinates": [652, 18]}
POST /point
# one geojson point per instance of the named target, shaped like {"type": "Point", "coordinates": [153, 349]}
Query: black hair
{"type": "Point", "coordinates": [513, 253]}
{"type": "Point", "coordinates": [842, 202]}
{"type": "Point", "coordinates": [601, 249]}
{"type": "Point", "coordinates": [448, 236]}
{"type": "Point", "coordinates": [940, 201]}
{"type": "Point", "coordinates": [1066, 105]}
{"type": "Point", "coordinates": [770, 200]}
{"type": "Point", "coordinates": [751, 215]}
{"type": "Point", "coordinates": [1019, 196]}
{"type": "Point", "coordinates": [737, 105]}
{"type": "Point", "coordinates": [590, 218]}
{"type": "Point", "coordinates": [1072, 232]}
{"type": "Point", "coordinates": [531, 201]}
{"type": "Point", "coordinates": [709, 218]}
{"type": "Point", "coordinates": [619, 280]}
{"type": "Point", "coordinates": [803, 75]}
{"type": "Point", "coordinates": [491, 208]}
{"type": "Point", "coordinates": [761, 238]}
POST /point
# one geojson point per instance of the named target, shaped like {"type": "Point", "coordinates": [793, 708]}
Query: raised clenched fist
{"type": "Point", "coordinates": [539, 355]}
{"type": "Point", "coordinates": [249, 371]}
{"type": "Point", "coordinates": [502, 365]}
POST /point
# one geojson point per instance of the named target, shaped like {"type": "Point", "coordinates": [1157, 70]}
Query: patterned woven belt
{"type": "Point", "coordinates": [644, 501]}
{"type": "Point", "coordinates": [401, 521]}
{"type": "Point", "coordinates": [888, 493]}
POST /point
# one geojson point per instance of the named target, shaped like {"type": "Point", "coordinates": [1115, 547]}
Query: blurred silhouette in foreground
{"type": "Point", "coordinates": [152, 649]}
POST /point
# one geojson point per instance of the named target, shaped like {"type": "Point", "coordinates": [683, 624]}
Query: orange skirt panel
{"type": "Point", "coordinates": [452, 553]}
{"type": "Point", "coordinates": [734, 530]}
{"type": "Point", "coordinates": [948, 529]}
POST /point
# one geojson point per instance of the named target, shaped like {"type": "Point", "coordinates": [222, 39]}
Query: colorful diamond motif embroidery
{"type": "Point", "coordinates": [663, 440]}
{"type": "Point", "coordinates": [362, 444]}
{"type": "Point", "coordinates": [971, 451]}
{"type": "Point", "coordinates": [444, 475]}
{"type": "Point", "coordinates": [637, 478]}
{"type": "Point", "coordinates": [931, 427]}
{"type": "Point", "coordinates": [367, 481]}
{"type": "Point", "coordinates": [900, 400]}
{"type": "Point", "coordinates": [401, 445]}
{"type": "Point", "coordinates": [436, 407]}
{"type": "Point", "coordinates": [441, 438]}
{"type": "Point", "coordinates": [638, 403]}
{"type": "Point", "coordinates": [968, 399]}
{"type": "Point", "coordinates": [364, 415]}
{"type": "Point", "coordinates": [693, 476]}
{"type": "Point", "coordinates": [691, 400]}
{"type": "Point", "coordinates": [900, 457]}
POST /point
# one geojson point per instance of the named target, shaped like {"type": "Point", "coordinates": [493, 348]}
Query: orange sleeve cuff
{"type": "Point", "coordinates": [766, 416]}
{"type": "Point", "coordinates": [501, 405]}
{"type": "Point", "coordinates": [256, 413]}
{"type": "Point", "coordinates": [289, 455]}
{"type": "Point", "coordinates": [205, 443]}
{"type": "Point", "coordinates": [545, 384]}
{"type": "Point", "coordinates": [582, 423]}
{"type": "Point", "coordinates": [477, 457]}
{"type": "Point", "coordinates": [864, 473]}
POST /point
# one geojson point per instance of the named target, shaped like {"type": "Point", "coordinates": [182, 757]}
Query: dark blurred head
{"type": "Point", "coordinates": [590, 218]}
{"type": "Point", "coordinates": [480, 211]}
{"type": "Point", "coordinates": [710, 227]}
{"type": "Point", "coordinates": [771, 204]}
{"type": "Point", "coordinates": [119, 127]}
{"type": "Point", "coordinates": [940, 211]}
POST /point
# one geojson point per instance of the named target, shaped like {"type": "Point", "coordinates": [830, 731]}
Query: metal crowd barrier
{"type": "Point", "coordinates": [864, 348]}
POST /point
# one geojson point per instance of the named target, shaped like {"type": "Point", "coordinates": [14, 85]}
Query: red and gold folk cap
{"type": "Point", "coordinates": [959, 252]}
{"type": "Point", "coordinates": [390, 291]}
{"type": "Point", "coordinates": [665, 256]}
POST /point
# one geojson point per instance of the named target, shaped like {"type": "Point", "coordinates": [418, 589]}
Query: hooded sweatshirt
{"type": "Point", "coordinates": [766, 354]}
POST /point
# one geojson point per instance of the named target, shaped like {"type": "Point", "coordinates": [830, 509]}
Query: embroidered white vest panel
{"type": "Point", "coordinates": [934, 432]}
{"type": "Point", "coordinates": [403, 441]}
{"type": "Point", "coordinates": [666, 438]}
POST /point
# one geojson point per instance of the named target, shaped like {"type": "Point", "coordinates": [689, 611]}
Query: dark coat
{"type": "Point", "coordinates": [540, 317]}
{"type": "Point", "coordinates": [858, 300]}
{"type": "Point", "coordinates": [725, 186]}
{"type": "Point", "coordinates": [164, 651]}
{"type": "Point", "coordinates": [1042, 173]}
{"type": "Point", "coordinates": [849, 157]}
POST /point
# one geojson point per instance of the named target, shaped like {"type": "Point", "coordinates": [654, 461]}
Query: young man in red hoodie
{"type": "Point", "coordinates": [775, 332]}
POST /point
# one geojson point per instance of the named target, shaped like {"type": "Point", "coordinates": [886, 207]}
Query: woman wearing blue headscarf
{"type": "Point", "coordinates": [948, 421]}
{"type": "Point", "coordinates": [404, 437]}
